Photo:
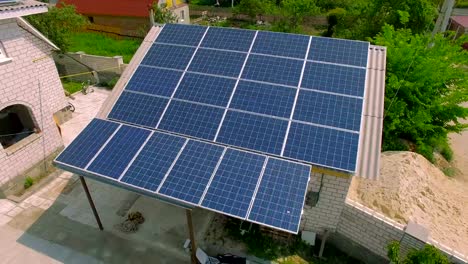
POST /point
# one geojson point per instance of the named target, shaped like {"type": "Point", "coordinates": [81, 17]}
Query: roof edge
{"type": "Point", "coordinates": [24, 11]}
{"type": "Point", "coordinates": [28, 27]}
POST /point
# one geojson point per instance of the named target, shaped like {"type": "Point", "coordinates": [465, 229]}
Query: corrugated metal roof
{"type": "Point", "coordinates": [127, 8]}
{"type": "Point", "coordinates": [460, 20]}
{"type": "Point", "coordinates": [20, 5]}
{"type": "Point", "coordinates": [370, 142]}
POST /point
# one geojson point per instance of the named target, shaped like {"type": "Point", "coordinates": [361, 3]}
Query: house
{"type": "Point", "coordinates": [30, 92]}
{"type": "Point", "coordinates": [126, 17]}
{"type": "Point", "coordinates": [459, 24]}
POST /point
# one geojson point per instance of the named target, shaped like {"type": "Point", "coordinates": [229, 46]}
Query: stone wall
{"type": "Point", "coordinates": [30, 79]}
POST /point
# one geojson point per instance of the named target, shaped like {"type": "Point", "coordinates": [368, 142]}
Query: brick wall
{"type": "Point", "coordinates": [20, 79]}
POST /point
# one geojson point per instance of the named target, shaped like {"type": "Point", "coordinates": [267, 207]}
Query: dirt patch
{"type": "Point", "coordinates": [411, 188]}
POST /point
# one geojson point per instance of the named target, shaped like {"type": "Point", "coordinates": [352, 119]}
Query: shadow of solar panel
{"type": "Point", "coordinates": [280, 44]}
{"type": "Point", "coordinates": [341, 51]}
{"type": "Point", "coordinates": [191, 119]}
{"type": "Point", "coordinates": [234, 183]}
{"type": "Point", "coordinates": [80, 152]}
{"type": "Point", "coordinates": [181, 34]}
{"type": "Point", "coordinates": [264, 99]}
{"type": "Point", "coordinates": [120, 150]}
{"type": "Point", "coordinates": [218, 62]}
{"type": "Point", "coordinates": [192, 171]}
{"type": "Point", "coordinates": [154, 81]}
{"type": "Point", "coordinates": [324, 146]}
{"type": "Point", "coordinates": [205, 89]}
{"type": "Point", "coordinates": [280, 196]}
{"type": "Point", "coordinates": [228, 39]}
{"type": "Point", "coordinates": [334, 78]}
{"type": "Point", "coordinates": [138, 109]}
{"type": "Point", "coordinates": [154, 161]}
{"type": "Point", "coordinates": [273, 70]}
{"type": "Point", "coordinates": [328, 109]}
{"type": "Point", "coordinates": [249, 131]}
{"type": "Point", "coordinates": [168, 56]}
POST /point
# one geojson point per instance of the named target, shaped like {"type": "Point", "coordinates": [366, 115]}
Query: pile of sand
{"type": "Point", "coordinates": [411, 188]}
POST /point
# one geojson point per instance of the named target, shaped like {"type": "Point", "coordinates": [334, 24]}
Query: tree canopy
{"type": "Point", "coordinates": [425, 84]}
{"type": "Point", "coordinates": [428, 255]}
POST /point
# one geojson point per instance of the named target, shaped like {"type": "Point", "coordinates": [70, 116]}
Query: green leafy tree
{"type": "Point", "coordinates": [59, 24]}
{"type": "Point", "coordinates": [428, 255]}
{"type": "Point", "coordinates": [253, 8]}
{"type": "Point", "coordinates": [425, 84]}
{"type": "Point", "coordinates": [163, 15]}
{"type": "Point", "coordinates": [296, 10]}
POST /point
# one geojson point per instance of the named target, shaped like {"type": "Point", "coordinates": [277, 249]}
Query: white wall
{"type": "Point", "coordinates": [19, 84]}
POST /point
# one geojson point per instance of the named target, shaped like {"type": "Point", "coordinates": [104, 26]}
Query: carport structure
{"type": "Point", "coordinates": [229, 120]}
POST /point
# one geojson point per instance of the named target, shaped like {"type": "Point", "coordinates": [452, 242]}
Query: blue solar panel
{"type": "Point", "coordinates": [234, 183]}
{"type": "Point", "coordinates": [138, 109]}
{"type": "Point", "coordinates": [273, 70]}
{"type": "Point", "coordinates": [191, 119]}
{"type": "Point", "coordinates": [333, 78]}
{"type": "Point", "coordinates": [205, 89]}
{"type": "Point", "coordinates": [253, 132]}
{"type": "Point", "coordinates": [324, 146]}
{"type": "Point", "coordinates": [280, 196]}
{"type": "Point", "coordinates": [153, 162]}
{"type": "Point", "coordinates": [218, 62]}
{"type": "Point", "coordinates": [167, 56]}
{"type": "Point", "coordinates": [192, 171]}
{"type": "Point", "coordinates": [228, 39]}
{"type": "Point", "coordinates": [342, 51]}
{"type": "Point", "coordinates": [120, 150]}
{"type": "Point", "coordinates": [280, 44]}
{"type": "Point", "coordinates": [87, 144]}
{"type": "Point", "coordinates": [327, 109]}
{"type": "Point", "coordinates": [154, 81]}
{"type": "Point", "coordinates": [181, 34]}
{"type": "Point", "coordinates": [264, 98]}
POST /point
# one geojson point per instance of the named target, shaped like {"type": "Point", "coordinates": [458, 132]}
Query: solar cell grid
{"type": "Point", "coordinates": [80, 152]}
{"type": "Point", "coordinates": [218, 62]}
{"type": "Point", "coordinates": [339, 51]}
{"type": "Point", "coordinates": [118, 153]}
{"type": "Point", "coordinates": [273, 70]}
{"type": "Point", "coordinates": [205, 89]}
{"type": "Point", "coordinates": [334, 78]}
{"type": "Point", "coordinates": [188, 178]}
{"type": "Point", "coordinates": [234, 183]}
{"type": "Point", "coordinates": [264, 98]}
{"type": "Point", "coordinates": [228, 39]}
{"type": "Point", "coordinates": [153, 162]}
{"type": "Point", "coordinates": [328, 109]}
{"type": "Point", "coordinates": [168, 56]}
{"type": "Point", "coordinates": [191, 119]}
{"type": "Point", "coordinates": [138, 109]}
{"type": "Point", "coordinates": [280, 196]}
{"type": "Point", "coordinates": [154, 81]}
{"type": "Point", "coordinates": [249, 131]}
{"type": "Point", "coordinates": [324, 146]}
{"type": "Point", "coordinates": [280, 44]}
{"type": "Point", "coordinates": [181, 34]}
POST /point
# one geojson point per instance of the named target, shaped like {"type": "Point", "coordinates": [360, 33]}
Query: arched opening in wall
{"type": "Point", "coordinates": [16, 123]}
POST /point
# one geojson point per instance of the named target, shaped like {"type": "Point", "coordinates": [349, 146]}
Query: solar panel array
{"type": "Point", "coordinates": [214, 117]}
{"type": "Point", "coordinates": [291, 96]}
{"type": "Point", "coordinates": [218, 178]}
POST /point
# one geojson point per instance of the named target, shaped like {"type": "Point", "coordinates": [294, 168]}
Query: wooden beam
{"type": "Point", "coordinates": [91, 203]}
{"type": "Point", "coordinates": [193, 246]}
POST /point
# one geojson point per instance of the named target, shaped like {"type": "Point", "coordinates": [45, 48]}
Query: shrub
{"type": "Point", "coordinates": [28, 182]}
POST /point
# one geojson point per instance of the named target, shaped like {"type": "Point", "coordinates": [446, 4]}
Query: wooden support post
{"type": "Point", "coordinates": [324, 240]}
{"type": "Point", "coordinates": [91, 203]}
{"type": "Point", "coordinates": [193, 246]}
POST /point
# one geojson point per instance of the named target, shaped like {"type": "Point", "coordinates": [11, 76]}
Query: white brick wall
{"type": "Point", "coordinates": [19, 84]}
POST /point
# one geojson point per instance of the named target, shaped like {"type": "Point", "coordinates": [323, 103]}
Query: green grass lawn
{"type": "Point", "coordinates": [71, 87]}
{"type": "Point", "coordinates": [103, 45]}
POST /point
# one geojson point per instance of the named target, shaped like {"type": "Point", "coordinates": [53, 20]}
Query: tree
{"type": "Point", "coordinates": [428, 255]}
{"type": "Point", "coordinates": [58, 24]}
{"type": "Point", "coordinates": [425, 85]}
{"type": "Point", "coordinates": [253, 8]}
{"type": "Point", "coordinates": [163, 15]}
{"type": "Point", "coordinates": [296, 10]}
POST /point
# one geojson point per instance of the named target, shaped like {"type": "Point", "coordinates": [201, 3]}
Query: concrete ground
{"type": "Point", "coordinates": [56, 224]}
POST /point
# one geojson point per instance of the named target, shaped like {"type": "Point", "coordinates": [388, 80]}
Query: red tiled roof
{"type": "Point", "coordinates": [130, 8]}
{"type": "Point", "coordinates": [461, 20]}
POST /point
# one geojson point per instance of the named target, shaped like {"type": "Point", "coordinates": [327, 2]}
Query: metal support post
{"type": "Point", "coordinates": [91, 203]}
{"type": "Point", "coordinates": [193, 246]}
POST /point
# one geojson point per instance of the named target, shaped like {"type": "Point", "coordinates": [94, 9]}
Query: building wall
{"type": "Point", "coordinates": [30, 75]}
{"type": "Point", "coordinates": [126, 26]}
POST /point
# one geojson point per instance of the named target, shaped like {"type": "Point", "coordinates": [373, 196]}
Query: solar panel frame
{"type": "Point", "coordinates": [181, 34]}
{"type": "Point", "coordinates": [340, 51]}
{"type": "Point", "coordinates": [228, 39]}
{"type": "Point", "coordinates": [276, 44]}
{"type": "Point", "coordinates": [167, 56]}
{"type": "Point", "coordinates": [164, 82]}
{"type": "Point", "coordinates": [273, 70]}
{"type": "Point", "coordinates": [218, 62]}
